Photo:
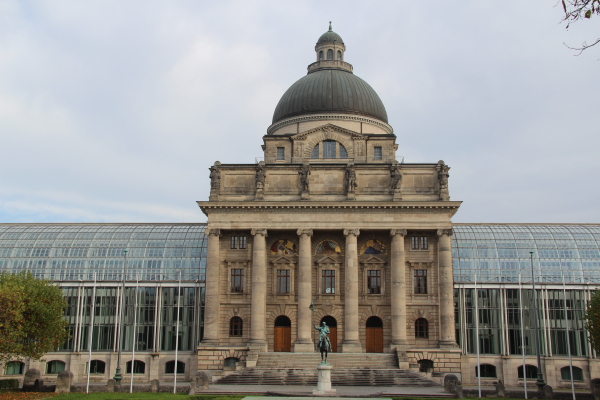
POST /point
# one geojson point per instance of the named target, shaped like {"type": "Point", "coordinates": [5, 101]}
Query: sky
{"type": "Point", "coordinates": [113, 111]}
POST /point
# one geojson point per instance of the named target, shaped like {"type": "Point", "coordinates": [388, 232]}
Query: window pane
{"type": "Point", "coordinates": [329, 148]}
{"type": "Point", "coordinates": [237, 280]}
{"type": "Point", "coordinates": [315, 152]}
{"type": "Point", "coordinates": [328, 281]}
{"type": "Point", "coordinates": [283, 281]}
{"type": "Point", "coordinates": [377, 153]}
{"type": "Point", "coordinates": [374, 282]}
{"type": "Point", "coordinates": [343, 152]}
{"type": "Point", "coordinates": [281, 153]}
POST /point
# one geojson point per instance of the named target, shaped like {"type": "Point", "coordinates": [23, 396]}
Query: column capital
{"type": "Point", "coordinates": [447, 232]}
{"type": "Point", "coordinates": [354, 232]}
{"type": "Point", "coordinates": [262, 232]}
{"type": "Point", "coordinates": [308, 232]}
{"type": "Point", "coordinates": [215, 232]}
{"type": "Point", "coordinates": [401, 232]}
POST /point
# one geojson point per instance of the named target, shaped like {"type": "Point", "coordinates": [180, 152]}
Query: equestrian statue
{"type": "Point", "coordinates": [324, 343]}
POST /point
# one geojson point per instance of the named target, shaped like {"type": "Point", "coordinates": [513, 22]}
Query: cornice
{"type": "Point", "coordinates": [446, 207]}
{"type": "Point", "coordinates": [319, 117]}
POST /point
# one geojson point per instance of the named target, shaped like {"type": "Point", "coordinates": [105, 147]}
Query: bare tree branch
{"type": "Point", "coordinates": [577, 10]}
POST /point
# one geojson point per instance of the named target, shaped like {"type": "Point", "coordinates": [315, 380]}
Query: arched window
{"type": "Point", "coordinates": [565, 374]}
{"type": "Point", "coordinates": [97, 367]}
{"type": "Point", "coordinates": [487, 371]}
{"type": "Point", "coordinates": [14, 368]}
{"type": "Point", "coordinates": [421, 328]}
{"type": "Point", "coordinates": [315, 152]}
{"type": "Point", "coordinates": [139, 367]}
{"type": "Point", "coordinates": [320, 55]}
{"type": "Point", "coordinates": [330, 54]}
{"type": "Point", "coordinates": [339, 55]}
{"type": "Point", "coordinates": [425, 365]}
{"type": "Point", "coordinates": [530, 372]}
{"type": "Point", "coordinates": [236, 326]}
{"type": "Point", "coordinates": [329, 149]}
{"type": "Point", "coordinates": [55, 367]}
{"type": "Point", "coordinates": [170, 367]}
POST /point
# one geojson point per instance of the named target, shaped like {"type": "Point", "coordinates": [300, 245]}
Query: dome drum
{"type": "Point", "coordinates": [329, 64]}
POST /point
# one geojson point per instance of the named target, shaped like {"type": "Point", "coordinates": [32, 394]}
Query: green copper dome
{"type": "Point", "coordinates": [330, 37]}
{"type": "Point", "coordinates": [330, 91]}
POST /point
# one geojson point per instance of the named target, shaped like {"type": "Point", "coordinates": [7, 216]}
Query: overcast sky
{"type": "Point", "coordinates": [113, 111]}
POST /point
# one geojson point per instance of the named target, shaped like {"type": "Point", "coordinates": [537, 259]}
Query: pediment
{"type": "Point", "coordinates": [283, 260]}
{"type": "Point", "coordinates": [328, 129]}
{"type": "Point", "coordinates": [328, 260]}
{"type": "Point", "coordinates": [373, 260]}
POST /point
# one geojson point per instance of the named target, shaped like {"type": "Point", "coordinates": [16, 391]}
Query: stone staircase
{"type": "Point", "coordinates": [349, 369]}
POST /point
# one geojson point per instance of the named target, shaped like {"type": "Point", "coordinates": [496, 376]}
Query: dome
{"type": "Point", "coordinates": [330, 37]}
{"type": "Point", "coordinates": [330, 91]}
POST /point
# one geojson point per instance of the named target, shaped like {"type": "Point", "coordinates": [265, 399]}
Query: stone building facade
{"type": "Point", "coordinates": [331, 227]}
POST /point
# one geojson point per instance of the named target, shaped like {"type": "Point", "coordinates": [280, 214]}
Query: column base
{"type": "Point", "coordinates": [304, 347]}
{"type": "Point", "coordinates": [351, 347]}
{"type": "Point", "coordinates": [447, 344]}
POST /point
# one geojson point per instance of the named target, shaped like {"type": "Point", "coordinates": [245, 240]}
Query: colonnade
{"type": "Point", "coordinates": [351, 342]}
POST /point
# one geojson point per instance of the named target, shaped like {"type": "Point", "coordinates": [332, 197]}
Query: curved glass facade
{"type": "Point", "coordinates": [499, 253]}
{"type": "Point", "coordinates": [78, 252]}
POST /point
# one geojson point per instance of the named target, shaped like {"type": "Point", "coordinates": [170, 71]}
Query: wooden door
{"type": "Point", "coordinates": [333, 338]}
{"type": "Point", "coordinates": [375, 340]}
{"type": "Point", "coordinates": [283, 338]}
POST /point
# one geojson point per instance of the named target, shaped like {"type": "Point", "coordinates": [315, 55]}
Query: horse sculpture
{"type": "Point", "coordinates": [324, 343]}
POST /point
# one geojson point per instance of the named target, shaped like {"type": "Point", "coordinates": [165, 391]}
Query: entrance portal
{"type": "Point", "coordinates": [283, 334]}
{"type": "Point", "coordinates": [332, 323]}
{"type": "Point", "coordinates": [374, 335]}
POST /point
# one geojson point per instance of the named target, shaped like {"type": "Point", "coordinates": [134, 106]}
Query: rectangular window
{"type": "Point", "coordinates": [419, 243]}
{"type": "Point", "coordinates": [377, 153]}
{"type": "Point", "coordinates": [283, 281]}
{"type": "Point", "coordinates": [238, 242]}
{"type": "Point", "coordinates": [281, 153]}
{"type": "Point", "coordinates": [237, 280]}
{"type": "Point", "coordinates": [328, 281]}
{"type": "Point", "coordinates": [374, 282]}
{"type": "Point", "coordinates": [420, 280]}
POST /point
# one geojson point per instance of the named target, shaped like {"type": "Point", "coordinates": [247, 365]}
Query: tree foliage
{"type": "Point", "coordinates": [592, 316]}
{"type": "Point", "coordinates": [32, 320]}
{"type": "Point", "coordinates": [577, 10]}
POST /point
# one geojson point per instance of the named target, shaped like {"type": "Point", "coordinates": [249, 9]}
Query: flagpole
{"type": "Point", "coordinates": [522, 337]}
{"type": "Point", "coordinates": [89, 368]}
{"type": "Point", "coordinates": [177, 334]}
{"type": "Point", "coordinates": [568, 341]}
{"type": "Point", "coordinates": [137, 283]}
{"type": "Point", "coordinates": [477, 336]}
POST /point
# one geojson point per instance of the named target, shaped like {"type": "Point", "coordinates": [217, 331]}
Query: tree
{"type": "Point", "coordinates": [577, 10]}
{"type": "Point", "coordinates": [592, 316]}
{"type": "Point", "coordinates": [32, 316]}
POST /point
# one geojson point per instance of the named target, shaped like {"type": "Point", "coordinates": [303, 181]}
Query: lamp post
{"type": "Point", "coordinates": [540, 377]}
{"type": "Point", "coordinates": [118, 376]}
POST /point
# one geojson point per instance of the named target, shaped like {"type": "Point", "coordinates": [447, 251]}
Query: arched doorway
{"type": "Point", "coordinates": [332, 323]}
{"type": "Point", "coordinates": [374, 335]}
{"type": "Point", "coordinates": [283, 334]}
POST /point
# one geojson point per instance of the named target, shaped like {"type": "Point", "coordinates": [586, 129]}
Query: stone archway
{"type": "Point", "coordinates": [374, 330]}
{"type": "Point", "coordinates": [283, 334]}
{"type": "Point", "coordinates": [332, 323]}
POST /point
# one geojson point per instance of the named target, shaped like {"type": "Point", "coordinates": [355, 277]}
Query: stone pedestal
{"type": "Point", "coordinates": [324, 381]}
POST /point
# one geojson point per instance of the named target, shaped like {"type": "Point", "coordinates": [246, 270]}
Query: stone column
{"type": "Point", "coordinates": [304, 343]}
{"type": "Point", "coordinates": [212, 290]}
{"type": "Point", "coordinates": [258, 309]}
{"type": "Point", "coordinates": [446, 284]}
{"type": "Point", "coordinates": [351, 343]}
{"type": "Point", "coordinates": [398, 290]}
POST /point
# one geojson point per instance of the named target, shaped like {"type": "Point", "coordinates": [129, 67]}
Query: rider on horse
{"type": "Point", "coordinates": [324, 342]}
